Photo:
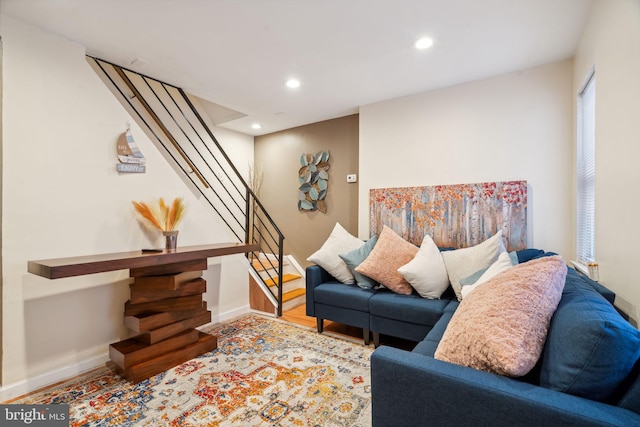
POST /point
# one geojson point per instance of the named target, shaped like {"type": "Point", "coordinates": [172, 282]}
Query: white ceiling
{"type": "Point", "coordinates": [346, 53]}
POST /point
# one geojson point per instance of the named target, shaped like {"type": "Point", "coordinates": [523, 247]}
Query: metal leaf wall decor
{"type": "Point", "coordinates": [313, 177]}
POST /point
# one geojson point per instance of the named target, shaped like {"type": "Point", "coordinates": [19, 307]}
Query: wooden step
{"type": "Point", "coordinates": [294, 302]}
{"type": "Point", "coordinates": [166, 361]}
{"type": "Point", "coordinates": [168, 282]}
{"type": "Point", "coordinates": [196, 286]}
{"type": "Point", "coordinates": [264, 265]}
{"type": "Point", "coordinates": [130, 352]}
{"type": "Point", "coordinates": [294, 293]}
{"type": "Point", "coordinates": [149, 321]}
{"type": "Point", "coordinates": [289, 277]}
{"type": "Point", "coordinates": [173, 268]}
{"type": "Point", "coordinates": [156, 335]}
{"type": "Point", "coordinates": [191, 302]}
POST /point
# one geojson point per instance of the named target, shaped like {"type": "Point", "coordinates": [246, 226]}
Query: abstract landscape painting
{"type": "Point", "coordinates": [456, 216]}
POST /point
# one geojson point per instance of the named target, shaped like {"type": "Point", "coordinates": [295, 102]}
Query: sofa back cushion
{"type": "Point", "coordinates": [606, 293]}
{"type": "Point", "coordinates": [631, 398]}
{"type": "Point", "coordinates": [590, 348]}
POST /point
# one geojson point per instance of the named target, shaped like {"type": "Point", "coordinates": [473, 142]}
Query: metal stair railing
{"type": "Point", "coordinates": [174, 123]}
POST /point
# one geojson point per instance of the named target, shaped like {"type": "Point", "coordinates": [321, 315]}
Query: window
{"type": "Point", "coordinates": [586, 162]}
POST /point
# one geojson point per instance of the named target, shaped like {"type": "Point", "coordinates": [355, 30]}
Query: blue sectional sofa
{"type": "Point", "coordinates": [380, 311]}
{"type": "Point", "coordinates": [374, 310]}
{"type": "Point", "coordinates": [588, 374]}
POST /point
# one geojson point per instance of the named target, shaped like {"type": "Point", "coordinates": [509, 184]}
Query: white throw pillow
{"type": "Point", "coordinates": [328, 256]}
{"type": "Point", "coordinates": [426, 272]}
{"type": "Point", "coordinates": [461, 263]}
{"type": "Point", "coordinates": [502, 264]}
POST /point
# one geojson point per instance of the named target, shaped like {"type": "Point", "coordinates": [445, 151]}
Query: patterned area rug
{"type": "Point", "coordinates": [264, 373]}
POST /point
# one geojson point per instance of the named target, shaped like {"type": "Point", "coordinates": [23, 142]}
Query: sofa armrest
{"type": "Point", "coordinates": [315, 275]}
{"type": "Point", "coordinates": [410, 389]}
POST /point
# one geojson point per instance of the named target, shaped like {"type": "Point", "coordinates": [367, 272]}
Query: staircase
{"type": "Point", "coordinates": [177, 124]}
{"type": "Point", "coordinates": [293, 283]}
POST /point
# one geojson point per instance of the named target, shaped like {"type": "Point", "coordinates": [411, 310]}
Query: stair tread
{"type": "Point", "coordinates": [285, 278]}
{"type": "Point", "coordinates": [268, 263]}
{"type": "Point", "coordinates": [264, 265]}
{"type": "Point", "coordinates": [294, 293]}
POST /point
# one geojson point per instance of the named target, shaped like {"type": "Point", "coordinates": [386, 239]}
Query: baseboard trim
{"type": "Point", "coordinates": [47, 379]}
{"type": "Point", "coordinates": [32, 384]}
{"type": "Point", "coordinates": [227, 316]}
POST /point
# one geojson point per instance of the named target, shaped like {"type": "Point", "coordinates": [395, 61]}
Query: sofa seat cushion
{"type": "Point", "coordinates": [430, 342]}
{"type": "Point", "coordinates": [407, 308]}
{"type": "Point", "coordinates": [435, 334]}
{"type": "Point", "coordinates": [426, 348]}
{"type": "Point", "coordinates": [590, 348]}
{"type": "Point", "coordinates": [337, 294]}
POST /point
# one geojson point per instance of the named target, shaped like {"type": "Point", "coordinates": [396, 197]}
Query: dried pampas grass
{"type": "Point", "coordinates": [161, 215]}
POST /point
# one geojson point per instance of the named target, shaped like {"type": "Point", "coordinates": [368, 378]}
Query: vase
{"type": "Point", "coordinates": [171, 240]}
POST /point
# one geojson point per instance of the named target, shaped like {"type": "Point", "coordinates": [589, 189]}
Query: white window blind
{"type": "Point", "coordinates": [586, 162]}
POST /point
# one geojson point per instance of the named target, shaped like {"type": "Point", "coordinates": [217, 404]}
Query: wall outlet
{"type": "Point", "coordinates": [352, 178]}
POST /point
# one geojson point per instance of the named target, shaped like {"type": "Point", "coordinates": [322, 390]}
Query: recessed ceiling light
{"type": "Point", "coordinates": [293, 83]}
{"type": "Point", "coordinates": [256, 126]}
{"type": "Point", "coordinates": [423, 43]}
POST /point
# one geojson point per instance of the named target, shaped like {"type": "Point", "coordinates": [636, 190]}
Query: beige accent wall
{"type": "Point", "coordinates": [277, 155]}
{"type": "Point", "coordinates": [611, 44]}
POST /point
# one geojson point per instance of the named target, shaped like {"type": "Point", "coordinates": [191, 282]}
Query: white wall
{"type": "Point", "coordinates": [510, 127]}
{"type": "Point", "coordinates": [611, 44]}
{"type": "Point", "coordinates": [62, 197]}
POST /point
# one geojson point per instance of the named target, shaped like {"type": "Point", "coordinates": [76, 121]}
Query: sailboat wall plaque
{"type": "Point", "coordinates": [129, 155]}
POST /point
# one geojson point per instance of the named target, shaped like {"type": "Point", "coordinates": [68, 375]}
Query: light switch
{"type": "Point", "coordinates": [352, 178]}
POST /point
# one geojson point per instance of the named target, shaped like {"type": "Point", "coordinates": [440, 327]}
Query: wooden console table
{"type": "Point", "coordinates": [165, 306]}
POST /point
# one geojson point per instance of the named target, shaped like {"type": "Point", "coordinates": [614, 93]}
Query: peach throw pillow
{"type": "Point", "coordinates": [501, 327]}
{"type": "Point", "coordinates": [389, 254]}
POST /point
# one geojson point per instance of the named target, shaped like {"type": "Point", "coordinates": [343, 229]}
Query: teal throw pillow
{"type": "Point", "coordinates": [355, 258]}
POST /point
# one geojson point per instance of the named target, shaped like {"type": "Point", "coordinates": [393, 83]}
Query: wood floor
{"type": "Point", "coordinates": [297, 315]}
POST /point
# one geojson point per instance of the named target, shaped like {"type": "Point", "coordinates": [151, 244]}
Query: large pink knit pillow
{"type": "Point", "coordinates": [501, 326]}
{"type": "Point", "coordinates": [389, 254]}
